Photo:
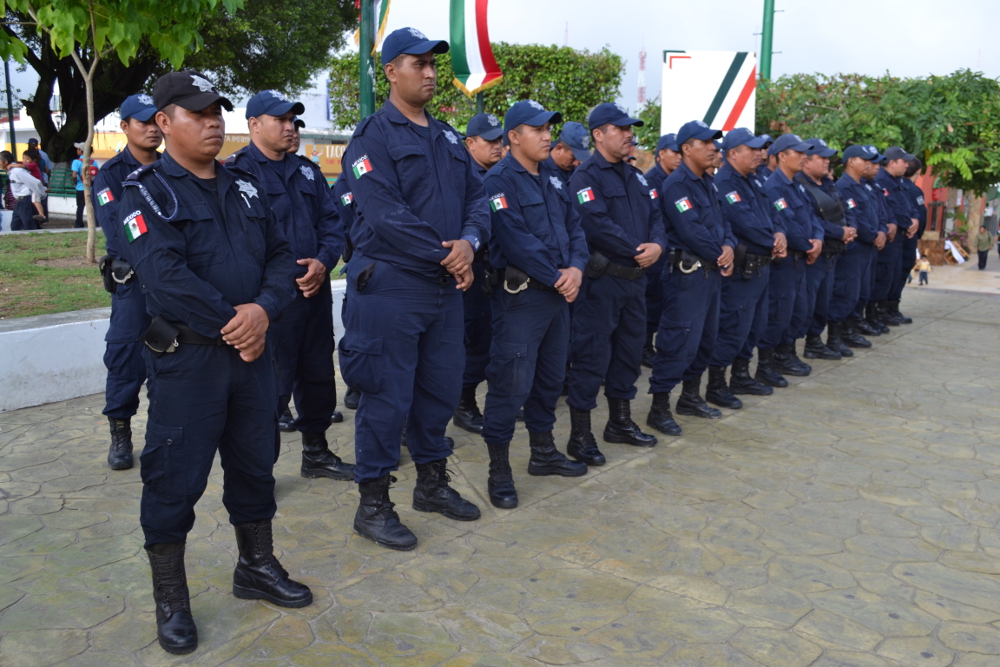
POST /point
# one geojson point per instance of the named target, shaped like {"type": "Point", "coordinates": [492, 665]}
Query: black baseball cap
{"type": "Point", "coordinates": [188, 89]}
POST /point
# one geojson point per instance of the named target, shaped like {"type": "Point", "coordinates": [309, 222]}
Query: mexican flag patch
{"type": "Point", "coordinates": [851, 204]}
{"type": "Point", "coordinates": [733, 197]}
{"type": "Point", "coordinates": [499, 202]}
{"type": "Point", "coordinates": [105, 196]}
{"type": "Point", "coordinates": [361, 166]}
{"type": "Point", "coordinates": [135, 226]}
{"type": "Point", "coordinates": [683, 204]}
{"type": "Point", "coordinates": [347, 199]}
{"type": "Point", "coordinates": [780, 204]}
{"type": "Point", "coordinates": [653, 194]}
{"type": "Point", "coordinates": [585, 195]}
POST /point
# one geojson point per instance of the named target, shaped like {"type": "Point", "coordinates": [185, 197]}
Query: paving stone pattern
{"type": "Point", "coordinates": [850, 520]}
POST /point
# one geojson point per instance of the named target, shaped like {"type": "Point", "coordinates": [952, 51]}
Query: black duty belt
{"type": "Point", "coordinates": [164, 337]}
{"type": "Point", "coordinates": [189, 336]}
{"type": "Point", "coordinates": [687, 262]}
{"type": "Point", "coordinates": [797, 254]}
{"type": "Point", "coordinates": [514, 280]}
{"type": "Point", "coordinates": [599, 265]}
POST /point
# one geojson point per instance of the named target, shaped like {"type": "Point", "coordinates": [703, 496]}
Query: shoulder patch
{"type": "Point", "coordinates": [498, 202]}
{"type": "Point", "coordinates": [135, 225]}
{"type": "Point", "coordinates": [683, 205]}
{"type": "Point", "coordinates": [556, 183]}
{"type": "Point", "coordinates": [105, 197]}
{"type": "Point", "coordinates": [585, 195]}
{"type": "Point", "coordinates": [347, 198]}
{"type": "Point", "coordinates": [780, 204]}
{"type": "Point", "coordinates": [733, 197]}
{"type": "Point", "coordinates": [361, 166]}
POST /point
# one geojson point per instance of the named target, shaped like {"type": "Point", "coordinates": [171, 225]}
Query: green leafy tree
{"type": "Point", "coordinates": [649, 134]}
{"type": "Point", "coordinates": [88, 31]}
{"type": "Point", "coordinates": [560, 78]}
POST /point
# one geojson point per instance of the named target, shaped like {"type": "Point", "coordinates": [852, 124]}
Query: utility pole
{"type": "Point", "coordinates": [766, 39]}
{"type": "Point", "coordinates": [10, 110]}
{"type": "Point", "coordinates": [367, 60]}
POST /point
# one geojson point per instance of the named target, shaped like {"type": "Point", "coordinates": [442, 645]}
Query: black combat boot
{"type": "Point", "coordinates": [432, 493]}
{"type": "Point", "coordinates": [351, 398]}
{"type": "Point", "coordinates": [692, 404]}
{"type": "Point", "coordinates": [286, 422]}
{"type": "Point", "coordinates": [741, 383]}
{"type": "Point", "coordinates": [467, 414]}
{"type": "Point", "coordinates": [175, 629]}
{"type": "Point", "coordinates": [660, 416]}
{"type": "Point", "coordinates": [766, 374]}
{"type": "Point", "coordinates": [893, 309]}
{"type": "Point", "coordinates": [620, 427]}
{"type": "Point", "coordinates": [872, 316]}
{"type": "Point", "coordinates": [120, 454]}
{"type": "Point", "coordinates": [377, 520]}
{"type": "Point", "coordinates": [648, 350]}
{"type": "Point", "coordinates": [787, 362]}
{"type": "Point", "coordinates": [319, 461]}
{"type": "Point", "coordinates": [547, 460]}
{"type": "Point", "coordinates": [861, 326]}
{"type": "Point", "coordinates": [501, 480]}
{"type": "Point", "coordinates": [886, 315]}
{"type": "Point", "coordinates": [582, 445]}
{"type": "Point", "coordinates": [852, 338]}
{"type": "Point", "coordinates": [835, 341]}
{"type": "Point", "coordinates": [815, 349]}
{"type": "Point", "coordinates": [259, 575]}
{"type": "Point", "coordinates": [718, 392]}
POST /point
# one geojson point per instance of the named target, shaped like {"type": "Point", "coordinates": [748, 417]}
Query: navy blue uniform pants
{"type": "Point", "coordinates": [303, 359]}
{"type": "Point", "coordinates": [204, 399]}
{"type": "Point", "coordinates": [819, 289]}
{"type": "Point", "coordinates": [890, 258]}
{"type": "Point", "coordinates": [607, 335]}
{"type": "Point", "coordinates": [22, 217]}
{"type": "Point", "coordinates": [688, 328]}
{"type": "Point", "coordinates": [851, 276]}
{"type": "Point", "coordinates": [907, 262]}
{"type": "Point", "coordinates": [743, 313]}
{"type": "Point", "coordinates": [785, 301]}
{"type": "Point", "coordinates": [123, 353]}
{"type": "Point", "coordinates": [654, 294]}
{"type": "Point", "coordinates": [527, 362]}
{"type": "Point", "coordinates": [478, 327]}
{"type": "Point", "coordinates": [402, 349]}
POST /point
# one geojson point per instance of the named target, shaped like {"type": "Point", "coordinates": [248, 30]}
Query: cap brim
{"type": "Point", "coordinates": [581, 154]}
{"type": "Point", "coordinates": [299, 124]}
{"type": "Point", "coordinates": [491, 134]}
{"type": "Point", "coordinates": [203, 101]}
{"type": "Point", "coordinates": [707, 135]}
{"type": "Point", "coordinates": [435, 45]}
{"type": "Point", "coordinates": [542, 118]}
{"type": "Point", "coordinates": [674, 147]}
{"type": "Point", "coordinates": [828, 152]}
{"type": "Point", "coordinates": [143, 115]}
{"type": "Point", "coordinates": [627, 120]}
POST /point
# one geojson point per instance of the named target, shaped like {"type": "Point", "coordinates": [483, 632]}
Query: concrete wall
{"type": "Point", "coordinates": [57, 357]}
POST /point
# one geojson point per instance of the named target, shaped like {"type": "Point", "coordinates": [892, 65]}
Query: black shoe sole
{"type": "Point", "coordinates": [421, 507]}
{"type": "Point", "coordinates": [729, 406]}
{"type": "Point", "coordinates": [774, 385]}
{"type": "Point", "coordinates": [594, 463]}
{"type": "Point", "coordinates": [245, 593]}
{"type": "Point", "coordinates": [314, 474]}
{"type": "Point", "coordinates": [692, 413]}
{"type": "Point", "coordinates": [386, 545]}
{"type": "Point", "coordinates": [121, 466]}
{"type": "Point", "coordinates": [546, 472]}
{"type": "Point", "coordinates": [619, 440]}
{"type": "Point", "coordinates": [504, 505]}
{"type": "Point", "coordinates": [177, 650]}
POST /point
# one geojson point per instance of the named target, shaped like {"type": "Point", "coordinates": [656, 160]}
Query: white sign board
{"type": "Point", "coordinates": [718, 87]}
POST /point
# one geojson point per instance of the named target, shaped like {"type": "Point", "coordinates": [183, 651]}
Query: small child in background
{"type": "Point", "coordinates": [924, 269]}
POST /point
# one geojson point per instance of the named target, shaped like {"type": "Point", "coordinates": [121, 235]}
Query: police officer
{"type": "Point", "coordinates": [668, 158]}
{"type": "Point", "coordinates": [852, 273]}
{"type": "Point", "coordinates": [891, 178]}
{"type": "Point", "coordinates": [482, 139]}
{"type": "Point", "coordinates": [744, 301]}
{"type": "Point", "coordinates": [804, 235]}
{"type": "Point", "coordinates": [303, 336]}
{"type": "Point", "coordinates": [870, 321]}
{"type": "Point", "coordinates": [620, 217]}
{"type": "Point", "coordinates": [570, 151]}
{"type": "Point", "coordinates": [123, 354]}
{"type": "Point", "coordinates": [829, 210]}
{"type": "Point", "coordinates": [768, 162]}
{"type": "Point", "coordinates": [420, 217]}
{"type": "Point", "coordinates": [539, 252]}
{"type": "Point", "coordinates": [216, 270]}
{"type": "Point", "coordinates": [345, 200]}
{"type": "Point", "coordinates": [701, 248]}
{"type": "Point", "coordinates": [297, 125]}
{"type": "Point", "coordinates": [910, 245]}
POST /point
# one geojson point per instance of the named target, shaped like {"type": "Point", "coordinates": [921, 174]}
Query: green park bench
{"type": "Point", "coordinates": [61, 183]}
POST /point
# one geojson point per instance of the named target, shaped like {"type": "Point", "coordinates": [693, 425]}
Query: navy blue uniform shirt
{"type": "Point", "coordinates": [617, 214]}
{"type": "Point", "coordinates": [794, 207]}
{"type": "Point", "coordinates": [900, 204]}
{"type": "Point", "coordinates": [656, 176]}
{"type": "Point", "coordinates": [859, 208]}
{"type": "Point", "coordinates": [301, 201]}
{"type": "Point", "coordinates": [535, 228]}
{"type": "Point", "coordinates": [831, 230]}
{"type": "Point", "coordinates": [199, 248]}
{"type": "Point", "coordinates": [564, 174]}
{"type": "Point", "coordinates": [878, 196]}
{"type": "Point", "coordinates": [916, 196]}
{"type": "Point", "coordinates": [692, 216]}
{"type": "Point", "coordinates": [408, 199]}
{"type": "Point", "coordinates": [107, 189]}
{"type": "Point", "coordinates": [344, 198]}
{"type": "Point", "coordinates": [763, 171]}
{"type": "Point", "coordinates": [746, 210]}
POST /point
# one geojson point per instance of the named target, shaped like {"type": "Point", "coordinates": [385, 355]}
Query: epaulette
{"type": "Point", "coordinates": [231, 160]}
{"type": "Point", "coordinates": [240, 171]}
{"type": "Point", "coordinates": [141, 172]}
{"type": "Point", "coordinates": [360, 129]}
{"type": "Point", "coordinates": [496, 169]}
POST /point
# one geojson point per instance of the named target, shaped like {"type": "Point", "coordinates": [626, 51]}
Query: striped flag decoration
{"type": "Point", "coordinates": [381, 18]}
{"type": "Point", "coordinates": [471, 54]}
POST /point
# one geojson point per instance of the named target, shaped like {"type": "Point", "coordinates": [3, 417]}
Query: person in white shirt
{"type": "Point", "coordinates": [24, 187]}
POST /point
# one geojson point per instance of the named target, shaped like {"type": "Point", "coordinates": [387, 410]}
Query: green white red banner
{"type": "Point", "coordinates": [471, 54]}
{"type": "Point", "coordinates": [381, 19]}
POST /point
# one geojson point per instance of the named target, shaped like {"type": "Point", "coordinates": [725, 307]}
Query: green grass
{"type": "Point", "coordinates": [48, 273]}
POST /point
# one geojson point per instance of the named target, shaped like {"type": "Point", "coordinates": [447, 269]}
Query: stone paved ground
{"type": "Point", "coordinates": [849, 520]}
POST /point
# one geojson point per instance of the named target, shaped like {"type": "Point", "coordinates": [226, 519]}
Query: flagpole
{"type": "Point", "coordinates": [479, 103]}
{"type": "Point", "coordinates": [367, 69]}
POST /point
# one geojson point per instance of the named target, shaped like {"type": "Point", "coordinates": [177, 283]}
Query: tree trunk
{"type": "Point", "coordinates": [88, 201]}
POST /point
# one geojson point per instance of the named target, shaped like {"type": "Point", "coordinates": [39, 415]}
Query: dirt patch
{"type": "Point", "coordinates": [66, 263]}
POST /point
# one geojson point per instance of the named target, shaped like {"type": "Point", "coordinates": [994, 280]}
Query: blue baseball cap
{"type": "Point", "coordinates": [612, 113]}
{"type": "Point", "coordinates": [576, 137]}
{"type": "Point", "coordinates": [820, 148]}
{"type": "Point", "coordinates": [411, 41]}
{"type": "Point", "coordinates": [668, 141]}
{"type": "Point", "coordinates": [768, 140]}
{"type": "Point", "coordinates": [741, 136]}
{"type": "Point", "coordinates": [789, 142]}
{"type": "Point", "coordinates": [140, 107]}
{"type": "Point", "coordinates": [484, 125]}
{"type": "Point", "coordinates": [528, 112]}
{"type": "Point", "coordinates": [718, 145]}
{"type": "Point", "coordinates": [696, 129]}
{"type": "Point", "coordinates": [868, 153]}
{"type": "Point", "coordinates": [272, 103]}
